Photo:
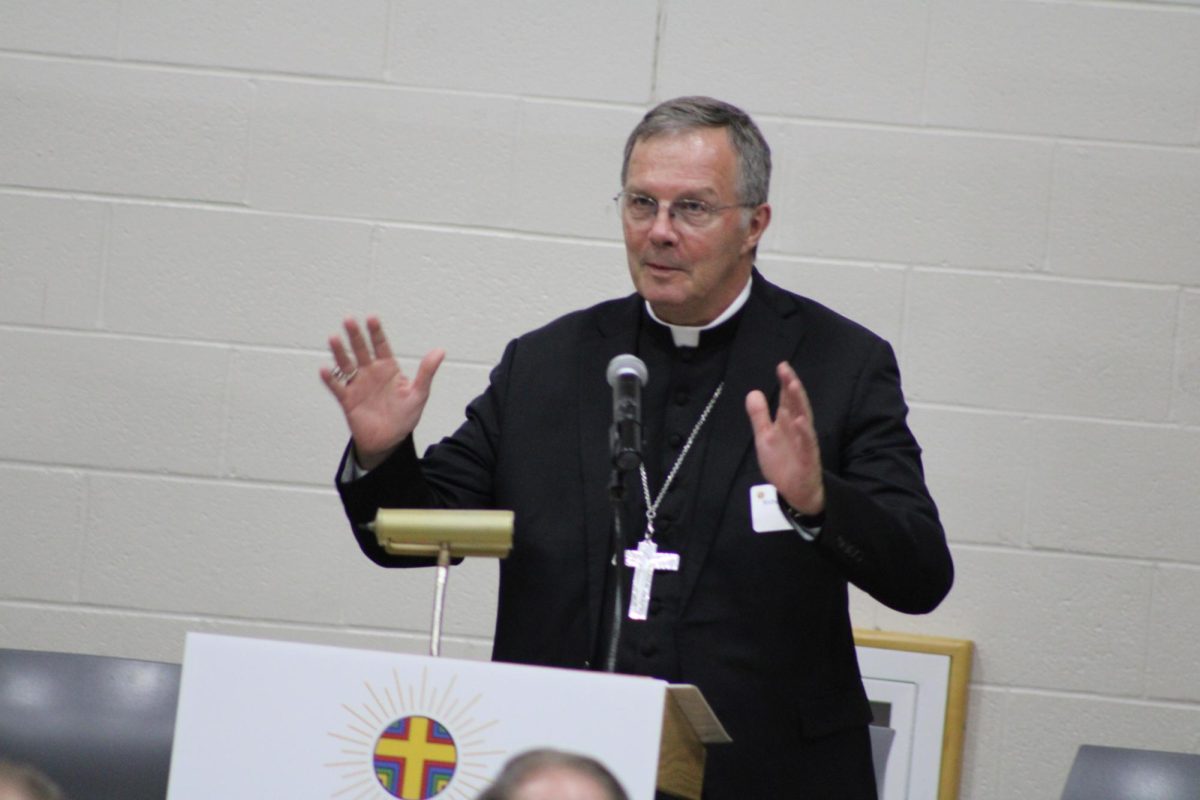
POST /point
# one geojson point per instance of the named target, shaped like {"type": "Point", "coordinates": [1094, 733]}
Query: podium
{"type": "Point", "coordinates": [274, 719]}
{"type": "Point", "coordinates": [262, 718]}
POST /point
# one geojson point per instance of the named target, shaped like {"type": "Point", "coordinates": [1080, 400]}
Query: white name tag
{"type": "Point", "coordinates": [765, 515]}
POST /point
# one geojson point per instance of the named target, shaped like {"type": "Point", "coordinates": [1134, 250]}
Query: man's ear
{"type": "Point", "coordinates": [760, 218]}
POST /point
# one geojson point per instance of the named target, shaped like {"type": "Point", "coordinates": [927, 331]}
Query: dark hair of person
{"type": "Point", "coordinates": [524, 766]}
{"type": "Point", "coordinates": [689, 113]}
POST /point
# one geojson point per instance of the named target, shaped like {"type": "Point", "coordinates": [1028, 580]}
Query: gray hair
{"type": "Point", "coordinates": [689, 113]}
{"type": "Point", "coordinates": [524, 766]}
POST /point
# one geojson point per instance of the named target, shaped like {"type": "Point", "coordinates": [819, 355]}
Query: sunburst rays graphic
{"type": "Point", "coordinates": [459, 765]}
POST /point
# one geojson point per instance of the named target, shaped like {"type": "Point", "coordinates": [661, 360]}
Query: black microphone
{"type": "Point", "coordinates": [627, 375]}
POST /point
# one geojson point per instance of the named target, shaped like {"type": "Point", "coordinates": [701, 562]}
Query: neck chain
{"type": "Point", "coordinates": [652, 507]}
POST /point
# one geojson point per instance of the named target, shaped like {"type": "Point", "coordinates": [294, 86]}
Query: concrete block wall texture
{"type": "Point", "coordinates": [192, 196]}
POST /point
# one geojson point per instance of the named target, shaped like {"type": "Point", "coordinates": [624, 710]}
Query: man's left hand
{"type": "Point", "coordinates": [788, 452]}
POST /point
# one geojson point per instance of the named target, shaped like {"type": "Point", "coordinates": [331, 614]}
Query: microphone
{"type": "Point", "coordinates": [627, 375]}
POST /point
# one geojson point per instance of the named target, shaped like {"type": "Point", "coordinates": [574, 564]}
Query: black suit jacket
{"type": "Point", "coordinates": [764, 629]}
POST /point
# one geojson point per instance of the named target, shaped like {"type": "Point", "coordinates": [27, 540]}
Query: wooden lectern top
{"type": "Point", "coordinates": [688, 725]}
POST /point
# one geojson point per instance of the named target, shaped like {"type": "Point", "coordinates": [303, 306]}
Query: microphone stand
{"type": "Point", "coordinates": [616, 496]}
{"type": "Point", "coordinates": [626, 374]}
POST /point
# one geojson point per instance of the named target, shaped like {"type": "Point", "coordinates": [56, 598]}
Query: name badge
{"type": "Point", "coordinates": [765, 514]}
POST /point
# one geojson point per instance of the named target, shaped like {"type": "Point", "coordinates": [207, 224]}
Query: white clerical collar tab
{"type": "Point", "coordinates": [689, 335]}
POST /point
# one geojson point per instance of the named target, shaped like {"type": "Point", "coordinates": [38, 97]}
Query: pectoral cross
{"type": "Point", "coordinates": [645, 561]}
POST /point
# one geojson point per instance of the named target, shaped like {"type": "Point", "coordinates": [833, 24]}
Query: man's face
{"type": "Point", "coordinates": [689, 275]}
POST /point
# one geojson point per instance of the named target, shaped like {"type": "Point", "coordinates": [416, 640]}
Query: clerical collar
{"type": "Point", "coordinates": [689, 335]}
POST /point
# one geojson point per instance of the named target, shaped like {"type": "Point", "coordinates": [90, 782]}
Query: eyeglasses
{"type": "Point", "coordinates": [693, 213]}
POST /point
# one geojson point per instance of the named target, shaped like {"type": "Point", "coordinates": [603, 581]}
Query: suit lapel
{"type": "Point", "coordinates": [615, 333]}
{"type": "Point", "coordinates": [768, 332]}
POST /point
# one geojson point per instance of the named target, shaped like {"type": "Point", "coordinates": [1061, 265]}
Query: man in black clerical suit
{"type": "Point", "coordinates": [778, 469]}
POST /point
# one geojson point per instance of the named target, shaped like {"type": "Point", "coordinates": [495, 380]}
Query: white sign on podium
{"type": "Point", "coordinates": [275, 719]}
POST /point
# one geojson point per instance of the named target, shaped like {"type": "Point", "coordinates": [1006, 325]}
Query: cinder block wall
{"type": "Point", "coordinates": [192, 195]}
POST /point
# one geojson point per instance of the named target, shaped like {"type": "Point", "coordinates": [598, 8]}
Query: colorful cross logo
{"type": "Point", "coordinates": [415, 758]}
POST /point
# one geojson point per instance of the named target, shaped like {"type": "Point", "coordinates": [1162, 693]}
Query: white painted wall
{"type": "Point", "coordinates": [192, 195]}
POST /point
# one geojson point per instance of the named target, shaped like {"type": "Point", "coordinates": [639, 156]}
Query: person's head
{"type": "Point", "coordinates": [689, 113]}
{"type": "Point", "coordinates": [23, 782]}
{"type": "Point", "coordinates": [695, 181]}
{"type": "Point", "coordinates": [547, 774]}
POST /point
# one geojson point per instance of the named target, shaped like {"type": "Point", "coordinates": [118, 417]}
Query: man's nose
{"type": "Point", "coordinates": [662, 231]}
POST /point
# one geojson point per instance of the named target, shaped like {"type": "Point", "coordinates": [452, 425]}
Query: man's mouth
{"type": "Point", "coordinates": [655, 266]}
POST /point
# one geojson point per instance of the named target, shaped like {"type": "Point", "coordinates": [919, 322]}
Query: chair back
{"type": "Point", "coordinates": [97, 726]}
{"type": "Point", "coordinates": [881, 746]}
{"type": "Point", "coordinates": [1119, 773]}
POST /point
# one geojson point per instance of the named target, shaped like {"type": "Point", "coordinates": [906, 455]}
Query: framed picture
{"type": "Point", "coordinates": [917, 686]}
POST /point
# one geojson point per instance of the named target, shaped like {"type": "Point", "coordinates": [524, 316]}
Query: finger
{"type": "Point", "coordinates": [805, 404]}
{"type": "Point", "coordinates": [759, 413]}
{"type": "Point", "coordinates": [379, 342]}
{"type": "Point", "coordinates": [804, 424]}
{"type": "Point", "coordinates": [791, 399]}
{"type": "Point", "coordinates": [337, 387]}
{"type": "Point", "coordinates": [340, 356]}
{"type": "Point", "coordinates": [788, 406]}
{"type": "Point", "coordinates": [357, 343]}
{"type": "Point", "coordinates": [427, 369]}
{"type": "Point", "coordinates": [797, 396]}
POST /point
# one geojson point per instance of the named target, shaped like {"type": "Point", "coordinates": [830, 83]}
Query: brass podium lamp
{"type": "Point", "coordinates": [443, 534]}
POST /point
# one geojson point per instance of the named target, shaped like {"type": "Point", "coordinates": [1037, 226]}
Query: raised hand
{"type": "Point", "coordinates": [382, 405]}
{"type": "Point", "coordinates": [788, 452]}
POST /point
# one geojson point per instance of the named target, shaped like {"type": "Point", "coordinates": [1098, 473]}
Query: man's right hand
{"type": "Point", "coordinates": [382, 406]}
